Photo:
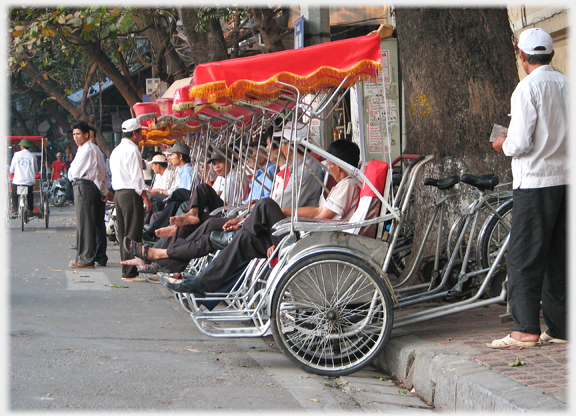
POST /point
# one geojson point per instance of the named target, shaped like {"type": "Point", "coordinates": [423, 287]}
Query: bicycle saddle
{"type": "Point", "coordinates": [481, 182]}
{"type": "Point", "coordinates": [445, 183]}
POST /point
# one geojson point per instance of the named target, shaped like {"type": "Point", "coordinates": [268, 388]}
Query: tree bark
{"type": "Point", "coordinates": [459, 71]}
{"type": "Point", "coordinates": [271, 33]}
{"type": "Point", "coordinates": [205, 46]}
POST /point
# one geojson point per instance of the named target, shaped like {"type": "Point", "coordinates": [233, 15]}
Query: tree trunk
{"type": "Point", "coordinates": [271, 33]}
{"type": "Point", "coordinates": [205, 46]}
{"type": "Point", "coordinates": [121, 82]}
{"type": "Point", "coordinates": [458, 70]}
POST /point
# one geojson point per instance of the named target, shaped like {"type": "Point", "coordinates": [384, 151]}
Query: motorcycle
{"type": "Point", "coordinates": [60, 190]}
{"type": "Point", "coordinates": [110, 219]}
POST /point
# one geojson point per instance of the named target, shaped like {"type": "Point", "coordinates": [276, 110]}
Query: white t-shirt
{"type": "Point", "coordinates": [342, 199]}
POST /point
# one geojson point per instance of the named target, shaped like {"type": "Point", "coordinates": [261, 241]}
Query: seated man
{"type": "Point", "coordinates": [254, 239]}
{"type": "Point", "coordinates": [165, 182]}
{"type": "Point", "coordinates": [179, 159]}
{"type": "Point", "coordinates": [203, 200]}
{"type": "Point", "coordinates": [177, 254]}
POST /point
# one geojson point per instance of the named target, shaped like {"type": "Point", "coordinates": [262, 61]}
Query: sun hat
{"type": "Point", "coordinates": [159, 159]}
{"type": "Point", "coordinates": [25, 143]}
{"type": "Point", "coordinates": [535, 41]}
{"type": "Point", "coordinates": [181, 148]}
{"type": "Point", "coordinates": [131, 125]}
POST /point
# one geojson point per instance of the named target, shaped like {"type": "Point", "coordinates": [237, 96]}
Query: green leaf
{"type": "Point", "coordinates": [117, 286]}
{"type": "Point", "coordinates": [105, 32]}
{"type": "Point", "coordinates": [516, 363]}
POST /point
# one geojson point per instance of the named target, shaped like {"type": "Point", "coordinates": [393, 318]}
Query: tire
{"type": "Point", "coordinates": [494, 233]}
{"type": "Point", "coordinates": [46, 212]}
{"type": "Point", "coordinates": [23, 216]}
{"type": "Point", "coordinates": [59, 200]}
{"type": "Point", "coordinates": [331, 314]}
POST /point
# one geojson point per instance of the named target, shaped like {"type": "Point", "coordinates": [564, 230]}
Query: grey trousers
{"type": "Point", "coordinates": [536, 260]}
{"type": "Point", "coordinates": [84, 197]}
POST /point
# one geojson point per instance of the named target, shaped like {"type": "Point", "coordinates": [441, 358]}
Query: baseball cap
{"type": "Point", "coordinates": [131, 125]}
{"type": "Point", "coordinates": [181, 148]}
{"type": "Point", "coordinates": [535, 41]}
{"type": "Point", "coordinates": [301, 131]}
{"type": "Point", "coordinates": [217, 154]}
{"type": "Point", "coordinates": [159, 159]}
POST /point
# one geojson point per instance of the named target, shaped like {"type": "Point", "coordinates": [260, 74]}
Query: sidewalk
{"type": "Point", "coordinates": [447, 363]}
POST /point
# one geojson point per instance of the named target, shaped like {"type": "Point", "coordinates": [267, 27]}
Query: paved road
{"type": "Point", "coordinates": [79, 343]}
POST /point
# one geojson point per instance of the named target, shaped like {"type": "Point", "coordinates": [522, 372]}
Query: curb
{"type": "Point", "coordinates": [451, 381]}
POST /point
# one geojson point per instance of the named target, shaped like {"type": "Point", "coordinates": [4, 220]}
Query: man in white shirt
{"type": "Point", "coordinates": [537, 140]}
{"type": "Point", "coordinates": [130, 195]}
{"type": "Point", "coordinates": [89, 179]}
{"type": "Point", "coordinates": [165, 182]}
{"type": "Point", "coordinates": [24, 167]}
{"type": "Point", "coordinates": [100, 208]}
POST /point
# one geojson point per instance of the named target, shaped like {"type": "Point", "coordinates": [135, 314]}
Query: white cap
{"type": "Point", "coordinates": [159, 159]}
{"type": "Point", "coordinates": [301, 131]}
{"type": "Point", "coordinates": [535, 42]}
{"type": "Point", "coordinates": [131, 125]}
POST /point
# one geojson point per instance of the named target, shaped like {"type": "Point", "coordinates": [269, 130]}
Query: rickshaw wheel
{"type": "Point", "coordinates": [332, 314]}
{"type": "Point", "coordinates": [46, 212]}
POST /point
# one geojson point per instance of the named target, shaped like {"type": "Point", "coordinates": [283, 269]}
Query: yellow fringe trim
{"type": "Point", "coordinates": [323, 77]}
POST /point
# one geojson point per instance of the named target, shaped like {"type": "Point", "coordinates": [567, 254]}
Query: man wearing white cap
{"type": "Point", "coordinates": [130, 190]}
{"type": "Point", "coordinates": [537, 140]}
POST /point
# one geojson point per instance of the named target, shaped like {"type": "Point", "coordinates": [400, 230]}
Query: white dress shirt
{"type": "Point", "coordinates": [126, 167]}
{"type": "Point", "coordinates": [89, 164]}
{"type": "Point", "coordinates": [24, 167]}
{"type": "Point", "coordinates": [537, 137]}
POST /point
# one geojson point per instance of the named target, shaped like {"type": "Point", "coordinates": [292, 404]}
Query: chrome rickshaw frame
{"type": "Point", "coordinates": [328, 301]}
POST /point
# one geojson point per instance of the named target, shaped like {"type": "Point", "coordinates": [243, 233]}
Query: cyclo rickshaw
{"type": "Point", "coordinates": [41, 204]}
{"type": "Point", "coordinates": [325, 293]}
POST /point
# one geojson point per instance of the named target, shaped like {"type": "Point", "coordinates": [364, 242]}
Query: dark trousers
{"type": "Point", "coordinates": [171, 205]}
{"type": "Point", "coordinates": [129, 220]}
{"type": "Point", "coordinates": [84, 197]}
{"type": "Point", "coordinates": [252, 241]}
{"type": "Point", "coordinates": [99, 209]}
{"type": "Point", "coordinates": [15, 196]}
{"type": "Point", "coordinates": [536, 260]}
{"type": "Point", "coordinates": [158, 204]}
{"type": "Point", "coordinates": [196, 245]}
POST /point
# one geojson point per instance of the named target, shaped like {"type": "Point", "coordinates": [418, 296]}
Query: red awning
{"type": "Point", "coordinates": [309, 69]}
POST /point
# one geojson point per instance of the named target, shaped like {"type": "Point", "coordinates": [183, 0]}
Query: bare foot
{"type": "Point", "coordinates": [184, 219]}
{"type": "Point", "coordinates": [523, 336]}
{"type": "Point", "coordinates": [166, 232]}
{"type": "Point", "coordinates": [133, 262]}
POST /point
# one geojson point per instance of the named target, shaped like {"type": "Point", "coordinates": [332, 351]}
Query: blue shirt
{"type": "Point", "coordinates": [185, 174]}
{"type": "Point", "coordinates": [262, 179]}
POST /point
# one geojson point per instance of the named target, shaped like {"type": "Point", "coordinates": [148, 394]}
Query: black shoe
{"type": "Point", "coordinates": [189, 285]}
{"type": "Point", "coordinates": [73, 246]}
{"type": "Point", "coordinates": [221, 239]}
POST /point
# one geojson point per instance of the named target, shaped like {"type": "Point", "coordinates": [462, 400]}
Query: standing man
{"type": "Point", "coordinates": [99, 207]}
{"type": "Point", "coordinates": [58, 166]}
{"type": "Point", "coordinates": [24, 167]}
{"type": "Point", "coordinates": [88, 175]}
{"type": "Point", "coordinates": [130, 196]}
{"type": "Point", "coordinates": [537, 140]}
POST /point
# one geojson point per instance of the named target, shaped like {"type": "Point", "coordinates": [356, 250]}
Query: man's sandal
{"type": "Point", "coordinates": [135, 248]}
{"type": "Point", "coordinates": [152, 267]}
{"type": "Point", "coordinates": [545, 338]}
{"type": "Point", "coordinates": [509, 342]}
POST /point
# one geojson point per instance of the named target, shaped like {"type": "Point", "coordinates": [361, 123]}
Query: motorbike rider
{"type": "Point", "coordinates": [58, 166]}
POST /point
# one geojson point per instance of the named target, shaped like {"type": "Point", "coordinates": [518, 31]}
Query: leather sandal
{"type": "Point", "coordinates": [135, 248]}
